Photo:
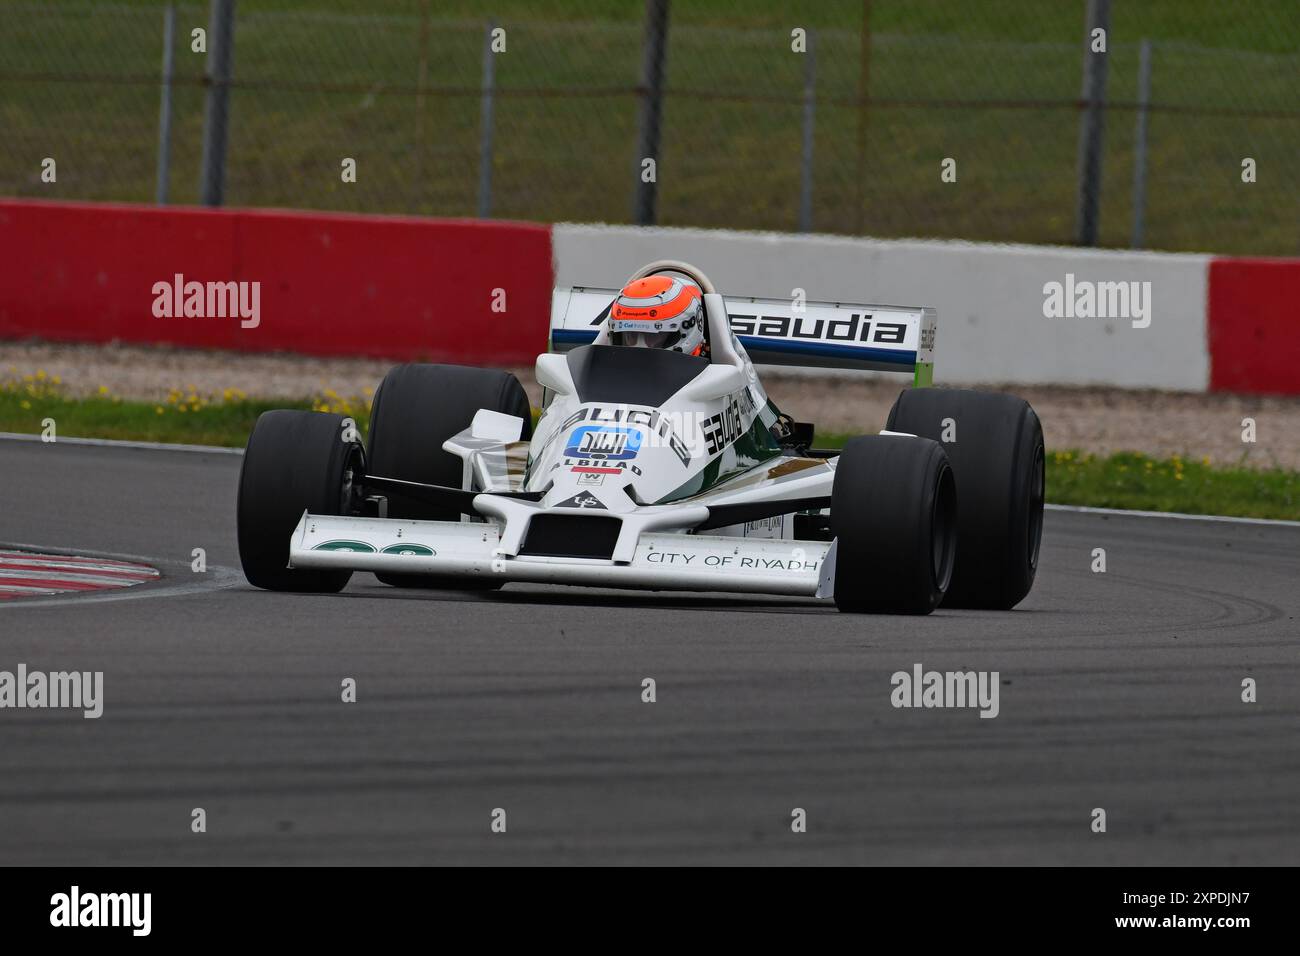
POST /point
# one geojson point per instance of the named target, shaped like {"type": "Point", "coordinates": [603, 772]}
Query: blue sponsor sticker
{"type": "Point", "coordinates": [604, 443]}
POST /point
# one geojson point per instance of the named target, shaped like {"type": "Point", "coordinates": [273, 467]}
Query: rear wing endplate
{"type": "Point", "coordinates": [883, 338]}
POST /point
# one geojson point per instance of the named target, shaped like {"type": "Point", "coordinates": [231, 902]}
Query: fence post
{"type": "Point", "coordinates": [809, 127]}
{"type": "Point", "coordinates": [221, 41]}
{"type": "Point", "coordinates": [165, 105]}
{"type": "Point", "coordinates": [652, 92]}
{"type": "Point", "coordinates": [487, 119]}
{"type": "Point", "coordinates": [864, 83]}
{"type": "Point", "coordinates": [1091, 124]}
{"type": "Point", "coordinates": [1140, 146]}
{"type": "Point", "coordinates": [421, 81]}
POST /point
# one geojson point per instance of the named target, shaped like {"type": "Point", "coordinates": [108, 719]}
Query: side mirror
{"type": "Point", "coordinates": [715, 382]}
{"type": "Point", "coordinates": [553, 372]}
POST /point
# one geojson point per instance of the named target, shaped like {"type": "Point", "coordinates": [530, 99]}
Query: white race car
{"type": "Point", "coordinates": [659, 470]}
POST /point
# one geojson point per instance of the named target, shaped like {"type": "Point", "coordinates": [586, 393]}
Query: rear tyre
{"type": "Point", "coordinates": [416, 409]}
{"type": "Point", "coordinates": [997, 460]}
{"type": "Point", "coordinates": [893, 513]}
{"type": "Point", "coordinates": [295, 461]}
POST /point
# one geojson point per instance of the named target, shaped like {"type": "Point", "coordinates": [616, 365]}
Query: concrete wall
{"type": "Point", "coordinates": [413, 288]}
{"type": "Point", "coordinates": [989, 297]}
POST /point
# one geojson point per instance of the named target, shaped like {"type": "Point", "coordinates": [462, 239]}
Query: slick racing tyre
{"type": "Point", "coordinates": [894, 516]}
{"type": "Point", "coordinates": [995, 444]}
{"type": "Point", "coordinates": [295, 461]}
{"type": "Point", "coordinates": [416, 409]}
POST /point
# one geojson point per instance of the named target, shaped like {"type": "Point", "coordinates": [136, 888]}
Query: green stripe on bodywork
{"type": "Point", "coordinates": [748, 451]}
{"type": "Point", "coordinates": [924, 376]}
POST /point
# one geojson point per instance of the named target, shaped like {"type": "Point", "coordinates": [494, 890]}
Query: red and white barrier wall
{"type": "Point", "coordinates": [1253, 325]}
{"type": "Point", "coordinates": [479, 292]}
{"type": "Point", "coordinates": [388, 286]}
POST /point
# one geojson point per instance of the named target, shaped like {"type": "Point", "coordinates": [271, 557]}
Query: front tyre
{"type": "Point", "coordinates": [894, 516]}
{"type": "Point", "coordinates": [295, 461]}
{"type": "Point", "coordinates": [416, 409]}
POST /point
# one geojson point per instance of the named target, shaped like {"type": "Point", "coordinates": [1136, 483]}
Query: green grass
{"type": "Point", "coordinates": [227, 425]}
{"type": "Point", "coordinates": [1128, 480]}
{"type": "Point", "coordinates": [1245, 24]}
{"type": "Point", "coordinates": [1137, 482]}
{"type": "Point", "coordinates": [182, 418]}
{"type": "Point", "coordinates": [326, 80]}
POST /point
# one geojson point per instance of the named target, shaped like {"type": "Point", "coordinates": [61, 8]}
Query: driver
{"type": "Point", "coordinates": [659, 312]}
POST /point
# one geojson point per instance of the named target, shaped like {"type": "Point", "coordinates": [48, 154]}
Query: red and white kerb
{"type": "Point", "coordinates": [25, 574]}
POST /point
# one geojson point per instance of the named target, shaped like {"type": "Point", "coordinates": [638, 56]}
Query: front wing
{"type": "Point", "coordinates": [473, 550]}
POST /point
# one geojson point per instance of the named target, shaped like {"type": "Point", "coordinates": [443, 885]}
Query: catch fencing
{"type": "Point", "coordinates": [939, 119]}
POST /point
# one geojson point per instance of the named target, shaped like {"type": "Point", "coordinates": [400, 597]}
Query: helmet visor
{"type": "Point", "coordinates": [646, 340]}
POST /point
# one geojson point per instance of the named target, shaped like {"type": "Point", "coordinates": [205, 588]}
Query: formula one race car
{"type": "Point", "coordinates": [655, 469]}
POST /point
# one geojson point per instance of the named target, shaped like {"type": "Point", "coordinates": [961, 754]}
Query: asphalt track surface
{"type": "Point", "coordinates": [1119, 690]}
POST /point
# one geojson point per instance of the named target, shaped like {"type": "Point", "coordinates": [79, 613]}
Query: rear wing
{"type": "Point", "coordinates": [777, 332]}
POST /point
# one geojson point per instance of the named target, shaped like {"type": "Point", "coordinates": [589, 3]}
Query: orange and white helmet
{"type": "Point", "coordinates": [659, 312]}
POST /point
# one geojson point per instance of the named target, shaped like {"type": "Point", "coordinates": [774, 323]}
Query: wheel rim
{"type": "Point", "coordinates": [943, 530]}
{"type": "Point", "coordinates": [1037, 492]}
{"type": "Point", "coordinates": [349, 487]}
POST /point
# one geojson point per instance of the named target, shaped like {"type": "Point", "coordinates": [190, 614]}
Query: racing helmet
{"type": "Point", "coordinates": [659, 312]}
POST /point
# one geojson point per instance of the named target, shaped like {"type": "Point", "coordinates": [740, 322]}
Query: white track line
{"type": "Point", "coordinates": [1121, 513]}
{"type": "Point", "coordinates": [1082, 509]}
{"type": "Point", "coordinates": [114, 443]}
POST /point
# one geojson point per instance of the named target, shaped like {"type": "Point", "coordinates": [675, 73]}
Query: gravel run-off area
{"type": "Point", "coordinates": [1099, 420]}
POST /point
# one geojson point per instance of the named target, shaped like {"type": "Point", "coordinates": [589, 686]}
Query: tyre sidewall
{"type": "Point", "coordinates": [295, 461]}
{"type": "Point", "coordinates": [889, 492]}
